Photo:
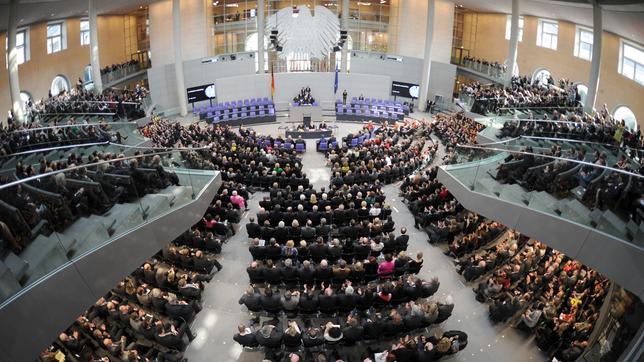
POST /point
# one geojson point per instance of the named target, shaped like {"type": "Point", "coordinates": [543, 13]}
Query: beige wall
{"type": "Point", "coordinates": [37, 74]}
{"type": "Point", "coordinates": [412, 29]}
{"type": "Point", "coordinates": [196, 31]}
{"type": "Point", "coordinates": [487, 40]}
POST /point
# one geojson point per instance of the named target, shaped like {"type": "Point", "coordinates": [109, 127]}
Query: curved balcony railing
{"type": "Point", "coordinates": [492, 70]}
{"type": "Point", "coordinates": [592, 212]}
{"type": "Point", "coordinates": [577, 189]}
{"type": "Point", "coordinates": [53, 219]}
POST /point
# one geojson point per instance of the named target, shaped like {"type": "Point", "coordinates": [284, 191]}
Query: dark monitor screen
{"type": "Point", "coordinates": [201, 93]}
{"type": "Point", "coordinates": [407, 90]}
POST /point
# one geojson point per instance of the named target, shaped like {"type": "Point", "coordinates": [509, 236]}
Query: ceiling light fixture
{"type": "Point", "coordinates": [364, 4]}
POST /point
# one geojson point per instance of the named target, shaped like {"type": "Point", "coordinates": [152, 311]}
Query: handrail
{"type": "Point", "coordinates": [548, 121]}
{"type": "Point", "coordinates": [56, 148]}
{"type": "Point", "coordinates": [540, 107]}
{"type": "Point", "coordinates": [77, 114]}
{"type": "Point", "coordinates": [80, 125]}
{"type": "Point", "coordinates": [500, 150]}
{"type": "Point", "coordinates": [161, 148]}
{"type": "Point", "coordinates": [570, 140]}
{"type": "Point", "coordinates": [555, 139]}
{"type": "Point", "coordinates": [36, 177]}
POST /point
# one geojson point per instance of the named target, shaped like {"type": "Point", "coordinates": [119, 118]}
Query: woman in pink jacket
{"type": "Point", "coordinates": [386, 268]}
{"type": "Point", "coordinates": [238, 200]}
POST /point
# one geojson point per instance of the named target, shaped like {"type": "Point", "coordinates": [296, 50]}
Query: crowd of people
{"type": "Point", "coordinates": [124, 104]}
{"type": "Point", "coordinates": [601, 127]}
{"type": "Point", "coordinates": [387, 154]}
{"type": "Point", "coordinates": [599, 188]}
{"type": "Point", "coordinates": [495, 68]}
{"type": "Point", "coordinates": [304, 97]}
{"type": "Point", "coordinates": [522, 93]}
{"type": "Point", "coordinates": [524, 282]}
{"type": "Point", "coordinates": [89, 186]}
{"type": "Point", "coordinates": [147, 316]}
{"type": "Point", "coordinates": [34, 136]}
{"type": "Point", "coordinates": [329, 270]}
{"type": "Point", "coordinates": [115, 67]}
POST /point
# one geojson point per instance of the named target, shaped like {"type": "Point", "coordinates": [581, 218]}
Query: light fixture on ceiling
{"type": "Point", "coordinates": [235, 5]}
{"type": "Point", "coordinates": [383, 1]}
{"type": "Point", "coordinates": [215, 3]}
{"type": "Point", "coordinates": [363, 3]}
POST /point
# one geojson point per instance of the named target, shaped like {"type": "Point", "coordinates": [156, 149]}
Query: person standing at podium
{"type": "Point", "coordinates": [344, 97]}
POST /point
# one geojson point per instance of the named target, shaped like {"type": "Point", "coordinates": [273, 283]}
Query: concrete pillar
{"type": "Point", "coordinates": [514, 43]}
{"type": "Point", "coordinates": [344, 25]}
{"type": "Point", "coordinates": [261, 20]}
{"type": "Point", "coordinates": [427, 57]}
{"type": "Point", "coordinates": [178, 58]}
{"type": "Point", "coordinates": [12, 66]}
{"type": "Point", "coordinates": [595, 65]}
{"type": "Point", "coordinates": [93, 48]}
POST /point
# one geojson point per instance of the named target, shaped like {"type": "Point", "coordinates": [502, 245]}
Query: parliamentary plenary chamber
{"type": "Point", "coordinates": [330, 180]}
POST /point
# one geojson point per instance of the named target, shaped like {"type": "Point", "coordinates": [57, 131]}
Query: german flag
{"type": "Point", "coordinates": [272, 84]}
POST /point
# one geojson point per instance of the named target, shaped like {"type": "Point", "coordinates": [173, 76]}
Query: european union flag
{"type": "Point", "coordinates": [335, 85]}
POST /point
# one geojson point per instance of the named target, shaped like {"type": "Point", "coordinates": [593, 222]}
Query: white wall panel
{"type": "Point", "coordinates": [287, 85]}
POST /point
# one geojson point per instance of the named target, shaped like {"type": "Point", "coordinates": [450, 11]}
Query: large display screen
{"type": "Point", "coordinates": [201, 93]}
{"type": "Point", "coordinates": [407, 90]}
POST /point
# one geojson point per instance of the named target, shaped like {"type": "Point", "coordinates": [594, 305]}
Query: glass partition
{"type": "Point", "coordinates": [577, 187]}
{"type": "Point", "coordinates": [49, 219]}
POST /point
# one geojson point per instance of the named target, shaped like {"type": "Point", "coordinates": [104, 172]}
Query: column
{"type": "Point", "coordinates": [427, 58]}
{"type": "Point", "coordinates": [595, 65]}
{"type": "Point", "coordinates": [514, 43]}
{"type": "Point", "coordinates": [178, 59]}
{"type": "Point", "coordinates": [93, 48]}
{"type": "Point", "coordinates": [344, 25]}
{"type": "Point", "coordinates": [261, 19]}
{"type": "Point", "coordinates": [12, 66]}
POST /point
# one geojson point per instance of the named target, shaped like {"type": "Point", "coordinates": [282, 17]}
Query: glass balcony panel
{"type": "Point", "coordinates": [584, 193]}
{"type": "Point", "coordinates": [63, 215]}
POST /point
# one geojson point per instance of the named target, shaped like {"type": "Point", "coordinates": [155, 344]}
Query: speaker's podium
{"type": "Point", "coordinates": [305, 113]}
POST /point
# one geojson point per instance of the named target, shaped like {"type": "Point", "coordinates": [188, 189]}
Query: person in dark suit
{"type": "Point", "coordinates": [251, 299]}
{"type": "Point", "coordinates": [352, 332]}
{"type": "Point", "coordinates": [270, 302]}
{"type": "Point", "coordinates": [312, 338]}
{"type": "Point", "coordinates": [344, 97]}
{"type": "Point", "coordinates": [327, 300]}
{"type": "Point", "coordinates": [402, 240]}
{"type": "Point", "coordinates": [323, 272]}
{"type": "Point", "coordinates": [272, 273]}
{"type": "Point", "coordinates": [256, 251]}
{"type": "Point", "coordinates": [245, 337]}
{"type": "Point", "coordinates": [256, 273]}
{"type": "Point", "coordinates": [306, 273]}
{"type": "Point", "coordinates": [308, 300]}
{"type": "Point", "coordinates": [319, 250]}
{"type": "Point", "coordinates": [270, 336]}
{"type": "Point", "coordinates": [253, 229]}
